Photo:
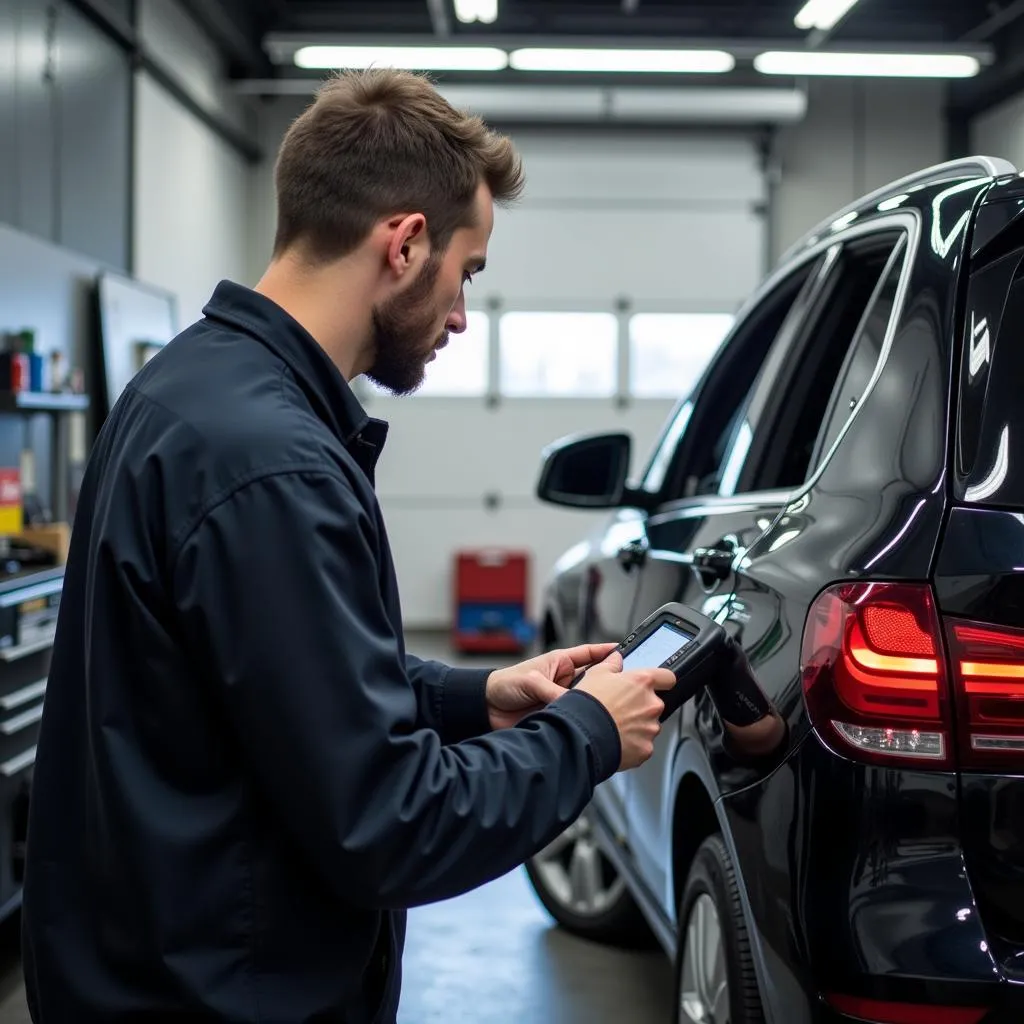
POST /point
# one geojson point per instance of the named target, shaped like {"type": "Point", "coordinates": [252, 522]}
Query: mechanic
{"type": "Point", "coordinates": [242, 778]}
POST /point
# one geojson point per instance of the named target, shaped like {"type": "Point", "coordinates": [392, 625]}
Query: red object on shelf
{"type": "Point", "coordinates": [491, 590]}
{"type": "Point", "coordinates": [491, 575]}
{"type": "Point", "coordinates": [488, 643]}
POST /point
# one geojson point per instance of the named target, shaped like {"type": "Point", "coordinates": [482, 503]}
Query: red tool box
{"type": "Point", "coordinates": [491, 597]}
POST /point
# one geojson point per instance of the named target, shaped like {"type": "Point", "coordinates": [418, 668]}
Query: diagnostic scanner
{"type": "Point", "coordinates": [679, 639]}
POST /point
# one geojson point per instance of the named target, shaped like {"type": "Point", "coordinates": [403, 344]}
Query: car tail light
{"type": "Point", "coordinates": [874, 1011]}
{"type": "Point", "coordinates": [873, 673]}
{"type": "Point", "coordinates": [988, 672]}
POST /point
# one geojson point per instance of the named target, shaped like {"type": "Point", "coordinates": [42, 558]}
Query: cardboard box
{"type": "Point", "coordinates": [53, 537]}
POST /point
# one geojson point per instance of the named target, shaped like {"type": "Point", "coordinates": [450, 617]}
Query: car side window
{"type": "Point", "coordinates": [861, 360]}
{"type": "Point", "coordinates": [794, 410]}
{"type": "Point", "coordinates": [689, 458]}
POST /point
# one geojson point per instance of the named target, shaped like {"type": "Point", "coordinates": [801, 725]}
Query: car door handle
{"type": "Point", "coordinates": [632, 555]}
{"type": "Point", "coordinates": [715, 562]}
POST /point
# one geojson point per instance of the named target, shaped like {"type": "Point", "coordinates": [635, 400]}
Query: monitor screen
{"type": "Point", "coordinates": [657, 648]}
{"type": "Point", "coordinates": [135, 321]}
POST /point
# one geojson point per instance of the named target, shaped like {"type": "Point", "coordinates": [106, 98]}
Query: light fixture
{"type": "Point", "coordinates": [823, 15]}
{"type": "Point", "coordinates": [468, 11]}
{"type": "Point", "coordinates": [412, 58]}
{"type": "Point", "coordinates": [622, 60]}
{"type": "Point", "coordinates": [867, 65]}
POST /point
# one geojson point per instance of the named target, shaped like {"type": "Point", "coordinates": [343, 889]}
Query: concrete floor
{"type": "Point", "coordinates": [491, 957]}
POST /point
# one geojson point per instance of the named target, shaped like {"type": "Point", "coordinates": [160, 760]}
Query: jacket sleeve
{"type": "Point", "coordinates": [278, 597]}
{"type": "Point", "coordinates": [452, 701]}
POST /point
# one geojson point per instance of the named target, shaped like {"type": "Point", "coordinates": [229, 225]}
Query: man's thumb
{"type": "Point", "coordinates": [614, 661]}
{"type": "Point", "coordinates": [546, 690]}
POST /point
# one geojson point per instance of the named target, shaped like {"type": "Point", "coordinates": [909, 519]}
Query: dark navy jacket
{"type": "Point", "coordinates": [242, 780]}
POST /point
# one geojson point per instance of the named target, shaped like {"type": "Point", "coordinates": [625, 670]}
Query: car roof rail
{"type": "Point", "coordinates": [982, 166]}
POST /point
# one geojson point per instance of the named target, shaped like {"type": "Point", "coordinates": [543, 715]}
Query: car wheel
{"type": "Point", "coordinates": [715, 978]}
{"type": "Point", "coordinates": [583, 892]}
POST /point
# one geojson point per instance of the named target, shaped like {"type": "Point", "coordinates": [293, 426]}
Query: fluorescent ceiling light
{"type": "Point", "coordinates": [413, 58]}
{"type": "Point", "coordinates": [628, 104]}
{"type": "Point", "coordinates": [867, 65]}
{"type": "Point", "coordinates": [468, 11]}
{"type": "Point", "coordinates": [664, 61]}
{"type": "Point", "coordinates": [823, 14]}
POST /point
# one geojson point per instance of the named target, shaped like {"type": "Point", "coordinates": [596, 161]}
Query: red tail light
{"type": "Point", "coordinates": [873, 673]}
{"type": "Point", "coordinates": [874, 1011]}
{"type": "Point", "coordinates": [988, 670]}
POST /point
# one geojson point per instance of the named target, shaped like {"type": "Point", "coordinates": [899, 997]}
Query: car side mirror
{"type": "Point", "coordinates": [586, 471]}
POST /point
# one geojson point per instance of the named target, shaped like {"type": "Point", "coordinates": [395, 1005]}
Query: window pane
{"type": "Point", "coordinates": [860, 363]}
{"type": "Point", "coordinates": [668, 352]}
{"type": "Point", "coordinates": [461, 368]}
{"type": "Point", "coordinates": [570, 354]}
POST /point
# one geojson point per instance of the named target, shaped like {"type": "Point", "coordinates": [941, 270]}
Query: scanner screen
{"type": "Point", "coordinates": [657, 648]}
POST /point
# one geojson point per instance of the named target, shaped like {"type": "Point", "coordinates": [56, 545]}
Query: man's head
{"type": "Point", "coordinates": [381, 172]}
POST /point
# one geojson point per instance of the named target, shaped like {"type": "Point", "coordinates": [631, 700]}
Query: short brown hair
{"type": "Point", "coordinates": [379, 142]}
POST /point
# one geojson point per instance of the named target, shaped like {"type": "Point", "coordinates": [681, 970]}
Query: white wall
{"type": "Point", "coordinates": [191, 197]}
{"type": "Point", "coordinates": [857, 136]}
{"type": "Point", "coordinates": [173, 40]}
{"type": "Point", "coordinates": [1000, 131]}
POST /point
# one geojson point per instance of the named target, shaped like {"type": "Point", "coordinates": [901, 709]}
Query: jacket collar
{"type": "Point", "coordinates": [335, 403]}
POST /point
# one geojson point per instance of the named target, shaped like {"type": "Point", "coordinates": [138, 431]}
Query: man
{"type": "Point", "coordinates": [242, 780]}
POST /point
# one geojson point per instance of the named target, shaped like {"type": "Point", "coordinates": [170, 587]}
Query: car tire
{"type": "Point", "coordinates": [583, 892]}
{"type": "Point", "coordinates": [722, 988]}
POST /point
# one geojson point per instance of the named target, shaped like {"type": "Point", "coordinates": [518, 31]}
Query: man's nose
{"type": "Point", "coordinates": [456, 322]}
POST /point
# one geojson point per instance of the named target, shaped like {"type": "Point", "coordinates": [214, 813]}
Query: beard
{"type": "Point", "coordinates": [401, 335]}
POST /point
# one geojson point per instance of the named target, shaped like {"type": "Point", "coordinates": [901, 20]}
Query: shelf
{"type": "Point", "coordinates": [10, 654]}
{"type": "Point", "coordinates": [42, 401]}
{"type": "Point", "coordinates": [48, 580]}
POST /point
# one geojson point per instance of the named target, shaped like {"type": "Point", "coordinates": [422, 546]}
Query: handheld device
{"type": "Point", "coordinates": [677, 638]}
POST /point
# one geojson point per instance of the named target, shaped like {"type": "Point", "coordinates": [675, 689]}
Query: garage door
{"type": "Point", "coordinates": [608, 287]}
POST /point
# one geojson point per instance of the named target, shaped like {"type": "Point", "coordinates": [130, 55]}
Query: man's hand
{"type": "Point", "coordinates": [513, 693]}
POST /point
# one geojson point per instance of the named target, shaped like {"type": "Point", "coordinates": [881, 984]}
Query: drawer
{"type": "Point", "coordinates": [28, 614]}
{"type": "Point", "coordinates": [19, 734]}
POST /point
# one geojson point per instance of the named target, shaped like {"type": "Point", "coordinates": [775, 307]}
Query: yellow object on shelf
{"type": "Point", "coordinates": [12, 512]}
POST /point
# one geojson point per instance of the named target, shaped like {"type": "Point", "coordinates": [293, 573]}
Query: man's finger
{"type": "Point", "coordinates": [663, 679]}
{"type": "Point", "coordinates": [589, 654]}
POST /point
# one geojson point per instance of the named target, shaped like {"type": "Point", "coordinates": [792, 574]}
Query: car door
{"type": "Point", "coordinates": [697, 543]}
{"type": "Point", "coordinates": [611, 588]}
{"type": "Point", "coordinates": [608, 585]}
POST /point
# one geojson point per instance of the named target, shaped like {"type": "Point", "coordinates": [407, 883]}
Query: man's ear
{"type": "Point", "coordinates": [408, 245]}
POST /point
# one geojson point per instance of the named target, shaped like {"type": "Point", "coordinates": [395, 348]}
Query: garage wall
{"type": "Point", "coordinates": [191, 189]}
{"type": "Point", "coordinates": [857, 136]}
{"type": "Point", "coordinates": [853, 139]}
{"type": "Point", "coordinates": [64, 130]}
{"type": "Point", "coordinates": [1000, 131]}
{"type": "Point", "coordinates": [670, 222]}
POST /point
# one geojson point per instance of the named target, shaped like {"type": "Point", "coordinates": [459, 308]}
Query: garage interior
{"type": "Point", "coordinates": [674, 150]}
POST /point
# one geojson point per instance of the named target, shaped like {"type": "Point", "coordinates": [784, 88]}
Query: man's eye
{"type": "Point", "coordinates": [467, 277]}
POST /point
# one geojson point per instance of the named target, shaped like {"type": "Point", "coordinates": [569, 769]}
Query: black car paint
{"type": "Point", "coordinates": [853, 875]}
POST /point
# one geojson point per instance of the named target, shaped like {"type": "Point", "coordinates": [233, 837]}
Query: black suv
{"type": "Point", "coordinates": [844, 490]}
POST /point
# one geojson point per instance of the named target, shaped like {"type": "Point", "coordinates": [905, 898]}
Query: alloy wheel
{"type": "Point", "coordinates": [704, 992]}
{"type": "Point", "coordinates": [577, 873]}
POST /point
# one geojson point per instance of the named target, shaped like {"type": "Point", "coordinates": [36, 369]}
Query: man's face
{"type": "Point", "coordinates": [411, 326]}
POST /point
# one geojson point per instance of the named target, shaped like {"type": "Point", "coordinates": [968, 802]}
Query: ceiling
{"type": "Point", "coordinates": [875, 20]}
{"type": "Point", "coordinates": [246, 29]}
